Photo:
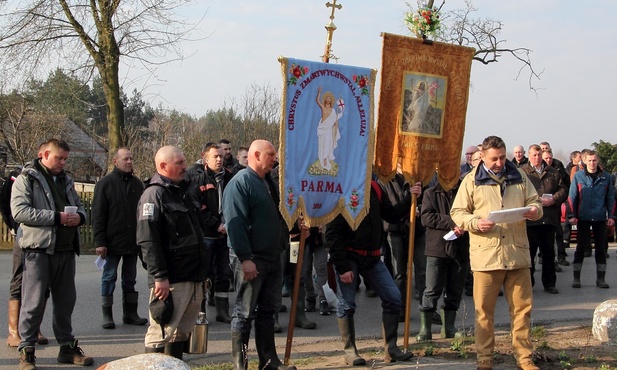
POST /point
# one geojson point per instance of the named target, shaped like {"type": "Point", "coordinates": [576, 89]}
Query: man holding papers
{"type": "Point", "coordinates": [499, 252]}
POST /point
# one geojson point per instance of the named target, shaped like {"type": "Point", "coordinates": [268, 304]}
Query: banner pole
{"type": "Point", "coordinates": [294, 297]}
{"type": "Point", "coordinates": [407, 303]}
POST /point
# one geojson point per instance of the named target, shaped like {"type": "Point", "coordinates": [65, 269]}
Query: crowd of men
{"type": "Point", "coordinates": [214, 226]}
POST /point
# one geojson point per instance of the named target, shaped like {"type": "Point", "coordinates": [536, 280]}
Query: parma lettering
{"type": "Point", "coordinates": [321, 186]}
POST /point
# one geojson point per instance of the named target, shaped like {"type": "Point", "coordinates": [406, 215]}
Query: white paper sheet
{"type": "Point", "coordinates": [450, 236]}
{"type": "Point", "coordinates": [100, 263]}
{"type": "Point", "coordinates": [507, 216]}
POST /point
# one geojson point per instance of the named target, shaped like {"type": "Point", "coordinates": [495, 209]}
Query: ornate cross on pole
{"type": "Point", "coordinates": [330, 28]}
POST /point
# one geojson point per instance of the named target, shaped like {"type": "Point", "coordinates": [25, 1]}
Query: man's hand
{"type": "Point", "coordinates": [161, 289]}
{"type": "Point", "coordinates": [249, 269]}
{"type": "Point", "coordinates": [221, 229]}
{"type": "Point", "coordinates": [532, 214]}
{"type": "Point", "coordinates": [101, 251]}
{"type": "Point", "coordinates": [573, 221]}
{"type": "Point", "coordinates": [347, 277]}
{"type": "Point", "coordinates": [458, 231]}
{"type": "Point", "coordinates": [485, 225]}
{"type": "Point", "coordinates": [417, 189]}
{"type": "Point", "coordinates": [610, 222]}
{"type": "Point", "coordinates": [547, 202]}
{"type": "Point", "coordinates": [69, 219]}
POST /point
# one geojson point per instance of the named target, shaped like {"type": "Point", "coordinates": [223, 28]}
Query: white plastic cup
{"type": "Point", "coordinates": [294, 248]}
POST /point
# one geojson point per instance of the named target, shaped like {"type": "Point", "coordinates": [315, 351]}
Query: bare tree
{"type": "Point", "coordinates": [460, 27]}
{"type": "Point", "coordinates": [91, 35]}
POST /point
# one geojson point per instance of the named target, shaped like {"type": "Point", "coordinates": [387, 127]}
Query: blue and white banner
{"type": "Point", "coordinates": [327, 141]}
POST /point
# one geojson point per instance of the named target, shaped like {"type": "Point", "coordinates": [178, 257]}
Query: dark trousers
{"type": "Point", "coordinates": [110, 273]}
{"type": "Point", "coordinates": [399, 246]}
{"type": "Point", "coordinates": [583, 240]}
{"type": "Point", "coordinates": [220, 267]}
{"type": "Point", "coordinates": [444, 275]}
{"type": "Point", "coordinates": [258, 299]}
{"type": "Point", "coordinates": [42, 273]}
{"type": "Point", "coordinates": [561, 244]}
{"type": "Point", "coordinates": [18, 269]}
{"type": "Point", "coordinates": [542, 237]}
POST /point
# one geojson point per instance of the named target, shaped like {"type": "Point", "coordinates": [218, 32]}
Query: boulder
{"type": "Point", "coordinates": [146, 361]}
{"type": "Point", "coordinates": [605, 322]}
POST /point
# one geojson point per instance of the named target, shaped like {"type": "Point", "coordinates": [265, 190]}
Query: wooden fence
{"type": "Point", "coordinates": [87, 237]}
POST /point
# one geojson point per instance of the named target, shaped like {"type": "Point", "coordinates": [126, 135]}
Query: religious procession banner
{"type": "Point", "coordinates": [422, 108]}
{"type": "Point", "coordinates": [327, 141]}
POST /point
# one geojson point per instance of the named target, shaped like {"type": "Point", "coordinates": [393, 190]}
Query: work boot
{"type": "Point", "coordinates": [390, 335]}
{"type": "Point", "coordinates": [448, 330]}
{"type": "Point", "coordinates": [129, 307]}
{"type": "Point", "coordinates": [562, 261]}
{"type": "Point", "coordinates": [41, 339]}
{"type": "Point", "coordinates": [301, 320]}
{"type": "Point", "coordinates": [436, 318]}
{"type": "Point", "coordinates": [311, 304]}
{"type": "Point", "coordinates": [239, 346]}
{"type": "Point", "coordinates": [14, 339]}
{"type": "Point", "coordinates": [426, 320]}
{"type": "Point", "coordinates": [174, 349]}
{"type": "Point", "coordinates": [266, 348]}
{"type": "Point", "coordinates": [286, 289]}
{"type": "Point", "coordinates": [108, 317]}
{"type": "Point", "coordinates": [154, 349]}
{"type": "Point", "coordinates": [576, 271]}
{"type": "Point", "coordinates": [600, 273]}
{"type": "Point", "coordinates": [72, 354]}
{"type": "Point", "coordinates": [348, 334]}
{"type": "Point", "coordinates": [222, 308]}
{"type": "Point", "coordinates": [558, 268]}
{"type": "Point", "coordinates": [324, 308]}
{"type": "Point", "coordinates": [27, 359]}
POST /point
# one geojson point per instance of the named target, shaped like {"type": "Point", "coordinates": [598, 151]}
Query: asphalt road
{"type": "Point", "coordinates": [127, 340]}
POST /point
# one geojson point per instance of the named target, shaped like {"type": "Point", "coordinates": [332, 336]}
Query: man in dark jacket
{"type": "Point", "coordinates": [114, 224]}
{"type": "Point", "coordinates": [209, 180]}
{"type": "Point", "coordinates": [250, 205]}
{"type": "Point", "coordinates": [541, 233]}
{"type": "Point", "coordinates": [359, 252]}
{"type": "Point", "coordinates": [169, 232]}
{"type": "Point", "coordinates": [447, 261]}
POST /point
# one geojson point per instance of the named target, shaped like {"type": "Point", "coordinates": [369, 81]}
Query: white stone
{"type": "Point", "coordinates": [146, 361]}
{"type": "Point", "coordinates": [605, 322]}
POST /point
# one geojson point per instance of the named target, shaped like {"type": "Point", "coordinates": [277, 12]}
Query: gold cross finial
{"type": "Point", "coordinates": [334, 6]}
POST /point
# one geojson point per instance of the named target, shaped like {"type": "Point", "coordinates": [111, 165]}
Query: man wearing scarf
{"type": "Point", "coordinates": [209, 180]}
{"type": "Point", "coordinates": [49, 238]}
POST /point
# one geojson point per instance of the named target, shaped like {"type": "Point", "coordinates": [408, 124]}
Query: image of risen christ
{"type": "Point", "coordinates": [327, 130]}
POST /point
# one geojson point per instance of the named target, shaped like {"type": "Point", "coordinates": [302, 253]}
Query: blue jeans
{"type": "Point", "coordinates": [110, 273]}
{"type": "Point", "coordinates": [220, 268]}
{"type": "Point", "coordinates": [377, 276]}
{"type": "Point", "coordinates": [444, 274]}
{"type": "Point", "coordinates": [258, 299]}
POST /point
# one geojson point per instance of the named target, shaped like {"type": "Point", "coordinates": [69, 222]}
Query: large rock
{"type": "Point", "coordinates": [605, 322]}
{"type": "Point", "coordinates": [146, 361]}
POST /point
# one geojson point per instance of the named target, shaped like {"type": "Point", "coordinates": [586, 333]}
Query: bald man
{"type": "Point", "coordinates": [170, 236]}
{"type": "Point", "coordinates": [469, 152]}
{"type": "Point", "coordinates": [519, 158]}
{"type": "Point", "coordinates": [250, 206]}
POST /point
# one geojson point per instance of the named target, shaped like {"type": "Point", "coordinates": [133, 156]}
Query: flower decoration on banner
{"type": "Point", "coordinates": [354, 200]}
{"type": "Point", "coordinates": [290, 197]}
{"type": "Point", "coordinates": [296, 72]}
{"type": "Point", "coordinates": [362, 82]}
{"type": "Point", "coordinates": [424, 21]}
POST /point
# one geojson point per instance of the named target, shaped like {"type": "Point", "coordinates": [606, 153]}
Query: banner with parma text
{"type": "Point", "coordinates": [327, 141]}
{"type": "Point", "coordinates": [422, 108]}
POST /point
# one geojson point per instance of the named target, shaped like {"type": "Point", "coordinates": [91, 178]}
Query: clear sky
{"type": "Point", "coordinates": [574, 44]}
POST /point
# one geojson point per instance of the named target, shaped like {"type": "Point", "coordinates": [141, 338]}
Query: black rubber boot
{"type": "Point", "coordinates": [266, 348]}
{"type": "Point", "coordinates": [348, 334]}
{"type": "Point", "coordinates": [448, 330]}
{"type": "Point", "coordinates": [301, 320]}
{"type": "Point", "coordinates": [390, 335]}
{"type": "Point", "coordinates": [174, 349]}
{"type": "Point", "coordinates": [222, 309]}
{"type": "Point", "coordinates": [129, 309]}
{"type": "Point", "coordinates": [426, 321]}
{"type": "Point", "coordinates": [239, 346]}
{"type": "Point", "coordinates": [108, 317]}
{"type": "Point", "coordinates": [600, 274]}
{"type": "Point", "coordinates": [576, 271]}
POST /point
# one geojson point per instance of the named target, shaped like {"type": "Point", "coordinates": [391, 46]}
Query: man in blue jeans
{"type": "Point", "coordinates": [250, 206]}
{"type": "Point", "coordinates": [359, 252]}
{"type": "Point", "coordinates": [114, 223]}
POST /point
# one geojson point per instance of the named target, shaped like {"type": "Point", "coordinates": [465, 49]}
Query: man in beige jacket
{"type": "Point", "coordinates": [499, 252]}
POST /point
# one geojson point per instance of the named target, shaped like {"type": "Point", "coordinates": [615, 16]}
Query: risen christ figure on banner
{"type": "Point", "coordinates": [327, 130]}
{"type": "Point", "coordinates": [418, 108]}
